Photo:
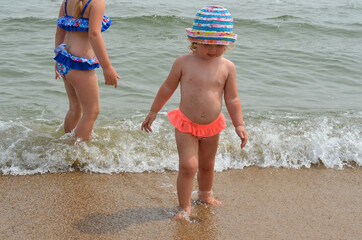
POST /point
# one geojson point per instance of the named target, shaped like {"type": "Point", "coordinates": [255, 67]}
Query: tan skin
{"type": "Point", "coordinates": [82, 86]}
{"type": "Point", "coordinates": [204, 77]}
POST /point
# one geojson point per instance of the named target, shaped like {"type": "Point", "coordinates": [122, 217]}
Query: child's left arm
{"type": "Point", "coordinates": [233, 104]}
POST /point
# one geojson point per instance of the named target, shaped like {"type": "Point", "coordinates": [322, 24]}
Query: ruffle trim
{"type": "Point", "coordinates": [73, 62]}
{"type": "Point", "coordinates": [184, 124]}
{"type": "Point", "coordinates": [69, 23]}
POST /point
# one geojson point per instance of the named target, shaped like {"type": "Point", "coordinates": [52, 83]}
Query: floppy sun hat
{"type": "Point", "coordinates": [212, 25]}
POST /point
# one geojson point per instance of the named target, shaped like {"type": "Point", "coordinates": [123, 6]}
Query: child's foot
{"type": "Point", "coordinates": [206, 197]}
{"type": "Point", "coordinates": [183, 215]}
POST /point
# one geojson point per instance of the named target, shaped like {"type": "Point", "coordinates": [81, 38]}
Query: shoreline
{"type": "Point", "coordinates": [258, 203]}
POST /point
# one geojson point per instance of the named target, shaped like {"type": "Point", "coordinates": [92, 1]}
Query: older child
{"type": "Point", "coordinates": [79, 50]}
{"type": "Point", "coordinates": [204, 77]}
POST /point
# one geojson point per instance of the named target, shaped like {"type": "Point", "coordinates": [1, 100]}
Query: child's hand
{"type": "Point", "coordinates": [110, 76]}
{"type": "Point", "coordinates": [240, 131]}
{"type": "Point", "coordinates": [146, 125]}
{"type": "Point", "coordinates": [57, 75]}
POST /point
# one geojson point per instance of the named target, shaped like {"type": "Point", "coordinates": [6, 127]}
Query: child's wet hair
{"type": "Point", "coordinates": [78, 7]}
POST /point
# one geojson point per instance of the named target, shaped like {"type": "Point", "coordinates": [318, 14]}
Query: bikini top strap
{"type": "Point", "coordinates": [65, 8]}
{"type": "Point", "coordinates": [85, 7]}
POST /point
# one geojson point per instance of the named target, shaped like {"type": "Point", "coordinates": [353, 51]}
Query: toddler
{"type": "Point", "coordinates": [204, 76]}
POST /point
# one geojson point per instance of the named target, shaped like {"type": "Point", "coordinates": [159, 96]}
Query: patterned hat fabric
{"type": "Point", "coordinates": [212, 25]}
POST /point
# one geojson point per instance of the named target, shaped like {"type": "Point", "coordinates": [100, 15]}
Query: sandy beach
{"type": "Point", "coordinates": [258, 203]}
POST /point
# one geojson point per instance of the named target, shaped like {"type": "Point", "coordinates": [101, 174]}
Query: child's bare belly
{"type": "Point", "coordinates": [201, 112]}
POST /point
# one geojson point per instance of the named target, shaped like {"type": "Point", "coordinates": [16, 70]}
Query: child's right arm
{"type": "Point", "coordinates": [96, 14]}
{"type": "Point", "coordinates": [60, 33]}
{"type": "Point", "coordinates": [164, 94]}
{"type": "Point", "coordinates": [59, 37]}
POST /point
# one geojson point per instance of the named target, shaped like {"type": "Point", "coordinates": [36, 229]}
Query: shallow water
{"type": "Point", "coordinates": [299, 81]}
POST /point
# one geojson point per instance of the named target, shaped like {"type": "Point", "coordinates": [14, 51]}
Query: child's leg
{"type": "Point", "coordinates": [75, 109]}
{"type": "Point", "coordinates": [187, 147]}
{"type": "Point", "coordinates": [207, 152]}
{"type": "Point", "coordinates": [86, 87]}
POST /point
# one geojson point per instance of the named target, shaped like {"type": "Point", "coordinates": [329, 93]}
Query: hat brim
{"type": "Point", "coordinates": [211, 37]}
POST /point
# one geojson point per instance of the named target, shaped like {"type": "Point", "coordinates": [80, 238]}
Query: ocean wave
{"type": "Point", "coordinates": [290, 23]}
{"type": "Point", "coordinates": [275, 140]}
{"type": "Point", "coordinates": [27, 20]}
{"type": "Point", "coordinates": [284, 18]}
{"type": "Point", "coordinates": [269, 23]}
{"type": "Point", "coordinates": [139, 18]}
{"type": "Point", "coordinates": [152, 20]}
{"type": "Point", "coordinates": [142, 19]}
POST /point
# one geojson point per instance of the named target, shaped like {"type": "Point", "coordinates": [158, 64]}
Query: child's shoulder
{"type": "Point", "coordinates": [185, 57]}
{"type": "Point", "coordinates": [229, 64]}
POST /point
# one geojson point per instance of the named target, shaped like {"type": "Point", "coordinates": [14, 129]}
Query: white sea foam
{"type": "Point", "coordinates": [300, 141]}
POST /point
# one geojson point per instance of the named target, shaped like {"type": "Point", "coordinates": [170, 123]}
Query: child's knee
{"type": "Point", "coordinates": [206, 169]}
{"type": "Point", "coordinates": [92, 113]}
{"type": "Point", "coordinates": [188, 170]}
{"type": "Point", "coordinates": [75, 108]}
{"type": "Point", "coordinates": [96, 111]}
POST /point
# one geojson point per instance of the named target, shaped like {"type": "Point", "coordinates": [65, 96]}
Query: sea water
{"type": "Point", "coordinates": [299, 76]}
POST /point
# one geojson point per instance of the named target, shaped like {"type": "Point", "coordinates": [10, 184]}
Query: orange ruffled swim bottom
{"type": "Point", "coordinates": [183, 124]}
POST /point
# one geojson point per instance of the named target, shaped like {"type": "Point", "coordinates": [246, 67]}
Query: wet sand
{"type": "Point", "coordinates": [258, 203]}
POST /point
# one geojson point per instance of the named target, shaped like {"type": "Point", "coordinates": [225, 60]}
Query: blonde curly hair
{"type": "Point", "coordinates": [193, 47]}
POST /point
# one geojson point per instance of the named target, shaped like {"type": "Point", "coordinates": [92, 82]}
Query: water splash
{"type": "Point", "coordinates": [275, 140]}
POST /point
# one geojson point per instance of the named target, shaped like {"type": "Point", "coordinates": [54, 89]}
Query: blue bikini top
{"type": "Point", "coordinates": [70, 23]}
